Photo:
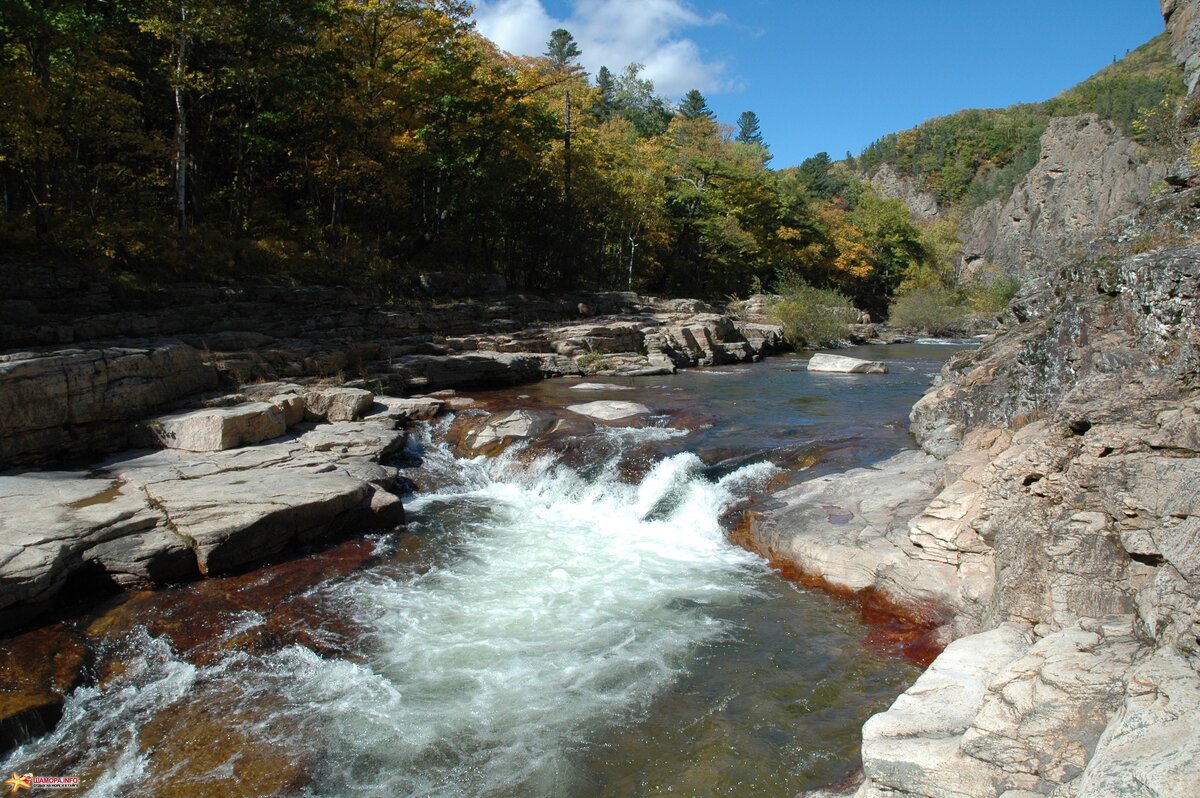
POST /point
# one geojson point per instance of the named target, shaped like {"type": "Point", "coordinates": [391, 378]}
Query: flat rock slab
{"type": "Point", "coordinates": [840, 364]}
{"type": "Point", "coordinates": [851, 530]}
{"type": "Point", "coordinates": [600, 386]}
{"type": "Point", "coordinates": [219, 428]}
{"type": "Point", "coordinates": [238, 517]}
{"type": "Point", "coordinates": [610, 411]}
{"type": "Point", "coordinates": [423, 409]}
{"type": "Point", "coordinates": [152, 517]}
{"type": "Point", "coordinates": [909, 747]}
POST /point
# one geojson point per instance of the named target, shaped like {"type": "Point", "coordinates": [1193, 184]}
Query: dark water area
{"type": "Point", "coordinates": [540, 628]}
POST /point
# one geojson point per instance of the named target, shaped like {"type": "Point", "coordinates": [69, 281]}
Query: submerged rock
{"type": "Point", "coordinates": [840, 364]}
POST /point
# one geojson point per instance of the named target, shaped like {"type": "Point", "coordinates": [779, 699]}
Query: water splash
{"type": "Point", "coordinates": [563, 605]}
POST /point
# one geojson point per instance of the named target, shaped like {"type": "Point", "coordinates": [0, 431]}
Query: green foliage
{"type": "Point", "coordinates": [1121, 92]}
{"type": "Point", "coordinates": [975, 155]}
{"type": "Point", "coordinates": [633, 98]}
{"type": "Point", "coordinates": [821, 178]}
{"type": "Point", "coordinates": [694, 106]}
{"type": "Point", "coordinates": [749, 129]}
{"type": "Point", "coordinates": [812, 316]}
{"type": "Point", "coordinates": [593, 362]}
{"type": "Point", "coordinates": [365, 141]}
{"type": "Point", "coordinates": [561, 49]}
{"type": "Point", "coordinates": [932, 309]}
{"type": "Point", "coordinates": [991, 290]}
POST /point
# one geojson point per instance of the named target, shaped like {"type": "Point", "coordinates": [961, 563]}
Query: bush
{"type": "Point", "coordinates": [813, 316]}
{"type": "Point", "coordinates": [937, 311]}
{"type": "Point", "coordinates": [993, 296]}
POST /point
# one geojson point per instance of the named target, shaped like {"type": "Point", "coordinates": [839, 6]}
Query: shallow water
{"type": "Point", "coordinates": [541, 630]}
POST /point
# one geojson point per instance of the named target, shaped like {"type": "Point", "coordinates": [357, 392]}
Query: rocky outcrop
{"type": "Point", "coordinates": [607, 410]}
{"type": "Point", "coordinates": [923, 205]}
{"type": "Point", "coordinates": [1060, 548]}
{"type": "Point", "coordinates": [1183, 23]}
{"type": "Point", "coordinates": [147, 518]}
{"type": "Point", "coordinates": [57, 404]}
{"type": "Point", "coordinates": [1085, 523]}
{"type": "Point", "coordinates": [848, 533]}
{"type": "Point", "coordinates": [1088, 175]}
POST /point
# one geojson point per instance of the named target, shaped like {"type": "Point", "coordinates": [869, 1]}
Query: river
{"type": "Point", "coordinates": [548, 625]}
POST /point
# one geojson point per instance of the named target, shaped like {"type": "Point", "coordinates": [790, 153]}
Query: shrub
{"type": "Point", "coordinates": [993, 295]}
{"type": "Point", "coordinates": [593, 362]}
{"type": "Point", "coordinates": [937, 311]}
{"type": "Point", "coordinates": [812, 316]}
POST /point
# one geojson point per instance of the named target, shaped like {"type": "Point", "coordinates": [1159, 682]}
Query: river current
{"type": "Point", "coordinates": [545, 627]}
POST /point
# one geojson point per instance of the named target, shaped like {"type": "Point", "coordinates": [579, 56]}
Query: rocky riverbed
{"type": "Point", "coordinates": [574, 453]}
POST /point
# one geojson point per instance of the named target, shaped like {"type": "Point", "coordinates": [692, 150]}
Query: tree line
{"type": "Point", "coordinates": [368, 140]}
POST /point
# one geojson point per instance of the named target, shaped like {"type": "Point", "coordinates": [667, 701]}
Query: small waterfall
{"type": "Point", "coordinates": [560, 606]}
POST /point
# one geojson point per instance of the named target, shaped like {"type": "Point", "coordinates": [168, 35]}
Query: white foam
{"type": "Point", "coordinates": [563, 607]}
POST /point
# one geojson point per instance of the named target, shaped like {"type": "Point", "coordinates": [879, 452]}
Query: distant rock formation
{"type": "Point", "coordinates": [923, 205]}
{"type": "Point", "coordinates": [1088, 175]}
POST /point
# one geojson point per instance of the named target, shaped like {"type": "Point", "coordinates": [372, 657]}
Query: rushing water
{"type": "Point", "coordinates": [559, 632]}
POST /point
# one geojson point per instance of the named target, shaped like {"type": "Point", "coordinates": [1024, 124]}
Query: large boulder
{"type": "Point", "coordinates": [337, 404]}
{"type": "Point", "coordinates": [219, 428]}
{"type": "Point", "coordinates": [840, 364]}
{"type": "Point", "coordinates": [235, 517]}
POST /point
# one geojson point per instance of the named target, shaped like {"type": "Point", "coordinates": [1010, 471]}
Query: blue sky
{"type": "Point", "coordinates": [827, 75]}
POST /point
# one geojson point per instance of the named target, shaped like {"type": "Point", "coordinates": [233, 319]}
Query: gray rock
{"type": "Point", "coordinates": [499, 430]}
{"type": "Point", "coordinates": [609, 410]}
{"type": "Point", "coordinates": [407, 409]}
{"type": "Point", "coordinates": [923, 205]}
{"type": "Point", "coordinates": [1088, 175]}
{"type": "Point", "coordinates": [840, 364]}
{"type": "Point", "coordinates": [599, 386]}
{"type": "Point", "coordinates": [851, 531]}
{"type": "Point", "coordinates": [216, 429]}
{"type": "Point", "coordinates": [913, 748]}
{"type": "Point", "coordinates": [238, 517]}
{"type": "Point", "coordinates": [79, 401]}
{"type": "Point", "coordinates": [337, 404]}
{"type": "Point", "coordinates": [291, 406]}
{"type": "Point", "coordinates": [148, 518]}
{"type": "Point", "coordinates": [1152, 744]}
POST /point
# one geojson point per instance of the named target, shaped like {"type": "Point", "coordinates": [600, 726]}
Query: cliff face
{"type": "Point", "coordinates": [923, 205]}
{"type": "Point", "coordinates": [1066, 533]}
{"type": "Point", "coordinates": [1088, 175]}
{"type": "Point", "coordinates": [1183, 23]}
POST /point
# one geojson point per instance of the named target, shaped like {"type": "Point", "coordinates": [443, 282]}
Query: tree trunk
{"type": "Point", "coordinates": [181, 123]}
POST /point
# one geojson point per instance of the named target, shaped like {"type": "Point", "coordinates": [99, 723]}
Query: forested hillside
{"type": "Point", "coordinates": [974, 155]}
{"type": "Point", "coordinates": [365, 141]}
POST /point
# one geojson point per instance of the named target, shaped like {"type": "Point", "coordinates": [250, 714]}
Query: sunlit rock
{"type": "Point", "coordinates": [840, 364]}
{"type": "Point", "coordinates": [610, 410]}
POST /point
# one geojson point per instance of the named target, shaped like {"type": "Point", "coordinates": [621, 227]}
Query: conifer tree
{"type": "Point", "coordinates": [561, 49]}
{"type": "Point", "coordinates": [749, 130]}
{"type": "Point", "coordinates": [694, 106]}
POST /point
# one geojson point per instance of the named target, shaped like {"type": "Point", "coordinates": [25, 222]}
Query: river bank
{"type": "Point", "coordinates": [1057, 553]}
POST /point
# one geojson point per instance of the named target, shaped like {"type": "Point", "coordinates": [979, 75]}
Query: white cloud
{"type": "Point", "coordinates": [614, 33]}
